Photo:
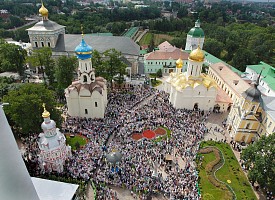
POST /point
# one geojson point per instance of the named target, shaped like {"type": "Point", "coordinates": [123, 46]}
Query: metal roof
{"type": "Point", "coordinates": [125, 45]}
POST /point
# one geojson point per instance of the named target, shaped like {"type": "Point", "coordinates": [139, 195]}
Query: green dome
{"type": "Point", "coordinates": [196, 32]}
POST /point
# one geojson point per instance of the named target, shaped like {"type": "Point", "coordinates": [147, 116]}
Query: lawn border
{"type": "Point", "coordinates": [218, 168]}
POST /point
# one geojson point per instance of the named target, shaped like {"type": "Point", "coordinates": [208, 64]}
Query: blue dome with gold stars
{"type": "Point", "coordinates": [83, 50]}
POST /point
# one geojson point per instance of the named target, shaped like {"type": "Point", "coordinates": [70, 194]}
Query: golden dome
{"type": "Point", "coordinates": [197, 55]}
{"type": "Point", "coordinates": [46, 113]}
{"type": "Point", "coordinates": [43, 11]}
{"type": "Point", "coordinates": [179, 63]}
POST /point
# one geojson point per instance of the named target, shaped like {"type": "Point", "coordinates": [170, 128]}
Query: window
{"type": "Point", "coordinates": [95, 104]}
{"type": "Point", "coordinates": [36, 45]}
{"type": "Point", "coordinates": [265, 121]}
{"type": "Point", "coordinates": [49, 44]}
{"type": "Point", "coordinates": [269, 125]}
{"type": "Point", "coordinates": [247, 126]}
{"type": "Point", "coordinates": [86, 111]}
{"type": "Point", "coordinates": [85, 78]}
{"type": "Point", "coordinates": [199, 93]}
{"type": "Point", "coordinates": [253, 108]}
{"type": "Point", "coordinates": [42, 44]}
{"type": "Point", "coordinates": [86, 66]}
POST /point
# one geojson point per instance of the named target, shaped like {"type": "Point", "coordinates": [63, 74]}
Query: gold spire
{"type": "Point", "coordinates": [179, 62]}
{"type": "Point", "coordinates": [82, 33]}
{"type": "Point", "coordinates": [45, 114]}
{"type": "Point", "coordinates": [43, 11]}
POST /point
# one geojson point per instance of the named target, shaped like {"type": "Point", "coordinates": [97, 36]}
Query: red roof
{"type": "Point", "coordinates": [222, 97]}
{"type": "Point", "coordinates": [163, 55]}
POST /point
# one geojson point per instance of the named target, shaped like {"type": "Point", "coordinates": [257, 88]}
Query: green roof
{"type": "Point", "coordinates": [213, 59]}
{"type": "Point", "coordinates": [142, 52]}
{"type": "Point", "coordinates": [235, 70]}
{"type": "Point", "coordinates": [131, 32]}
{"type": "Point", "coordinates": [268, 73]}
{"type": "Point", "coordinates": [196, 32]}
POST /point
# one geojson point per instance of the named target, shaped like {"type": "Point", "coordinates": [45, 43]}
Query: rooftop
{"type": "Point", "coordinates": [222, 97]}
{"type": "Point", "coordinates": [268, 73]}
{"type": "Point", "coordinates": [46, 25]}
{"type": "Point", "coordinates": [125, 45]}
{"type": "Point", "coordinates": [163, 55]}
{"type": "Point", "coordinates": [232, 79]}
{"type": "Point", "coordinates": [213, 59]}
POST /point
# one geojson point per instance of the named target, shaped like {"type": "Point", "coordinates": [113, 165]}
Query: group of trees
{"type": "Point", "coordinates": [26, 99]}
{"type": "Point", "coordinates": [259, 158]}
{"type": "Point", "coordinates": [12, 58]}
{"type": "Point", "coordinates": [110, 66]}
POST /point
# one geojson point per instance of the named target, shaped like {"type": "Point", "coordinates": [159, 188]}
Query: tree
{"type": "Point", "coordinates": [112, 66]}
{"type": "Point", "coordinates": [7, 84]}
{"type": "Point", "coordinates": [259, 158]}
{"type": "Point", "coordinates": [43, 59]}
{"type": "Point", "coordinates": [159, 73]}
{"type": "Point", "coordinates": [243, 57]}
{"type": "Point", "coordinates": [213, 46]}
{"type": "Point", "coordinates": [64, 73]}
{"type": "Point", "coordinates": [12, 58]}
{"type": "Point", "coordinates": [25, 107]}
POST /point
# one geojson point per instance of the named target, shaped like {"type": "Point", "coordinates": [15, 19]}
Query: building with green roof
{"type": "Point", "coordinates": [195, 37]}
{"type": "Point", "coordinates": [267, 79]}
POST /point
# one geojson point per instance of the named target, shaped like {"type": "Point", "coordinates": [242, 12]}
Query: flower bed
{"type": "Point", "coordinates": [149, 134]}
{"type": "Point", "coordinates": [137, 136]}
{"type": "Point", "coordinates": [160, 131]}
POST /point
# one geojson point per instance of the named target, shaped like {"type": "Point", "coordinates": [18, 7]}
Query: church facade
{"type": "Point", "coordinates": [191, 89]}
{"type": "Point", "coordinates": [52, 145]}
{"type": "Point", "coordinates": [86, 97]}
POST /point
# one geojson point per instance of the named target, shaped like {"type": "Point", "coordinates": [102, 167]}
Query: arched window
{"type": "Point", "coordinates": [49, 44]}
{"type": "Point", "coordinates": [86, 66]}
{"type": "Point", "coordinates": [85, 78]}
{"type": "Point", "coordinates": [247, 126]}
{"type": "Point", "coordinates": [253, 108]}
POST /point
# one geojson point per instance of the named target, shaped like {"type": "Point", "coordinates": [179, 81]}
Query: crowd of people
{"type": "Point", "coordinates": [129, 111]}
{"type": "Point", "coordinates": [140, 157]}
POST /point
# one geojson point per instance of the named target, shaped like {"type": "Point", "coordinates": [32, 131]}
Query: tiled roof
{"type": "Point", "coordinates": [162, 55]}
{"type": "Point", "coordinates": [230, 78]}
{"type": "Point", "coordinates": [165, 46]}
{"type": "Point", "coordinates": [223, 97]}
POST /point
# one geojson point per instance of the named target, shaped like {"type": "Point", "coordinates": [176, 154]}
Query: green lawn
{"type": "Point", "coordinates": [156, 83]}
{"type": "Point", "coordinates": [208, 190]}
{"type": "Point", "coordinates": [145, 40]}
{"type": "Point", "coordinates": [230, 171]}
{"type": "Point", "coordinates": [72, 141]}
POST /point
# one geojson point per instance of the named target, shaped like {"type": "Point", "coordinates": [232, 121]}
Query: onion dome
{"type": "Point", "coordinates": [43, 11]}
{"type": "Point", "coordinates": [179, 63]}
{"type": "Point", "coordinates": [83, 50]}
{"type": "Point", "coordinates": [114, 157]}
{"type": "Point", "coordinates": [197, 30]}
{"type": "Point", "coordinates": [197, 55]}
{"type": "Point", "coordinates": [252, 94]}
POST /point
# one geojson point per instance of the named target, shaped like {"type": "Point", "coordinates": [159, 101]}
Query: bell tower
{"type": "Point", "coordinates": [86, 74]}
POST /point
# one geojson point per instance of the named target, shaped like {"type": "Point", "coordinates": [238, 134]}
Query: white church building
{"type": "Point", "coordinates": [191, 89]}
{"type": "Point", "coordinates": [195, 37]}
{"type": "Point", "coordinates": [52, 145]}
{"type": "Point", "coordinates": [86, 97]}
